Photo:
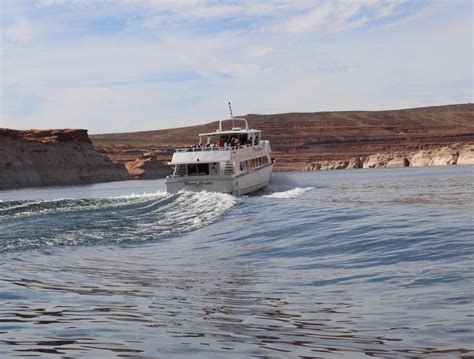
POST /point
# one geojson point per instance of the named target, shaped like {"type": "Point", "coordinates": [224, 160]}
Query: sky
{"type": "Point", "coordinates": [132, 65]}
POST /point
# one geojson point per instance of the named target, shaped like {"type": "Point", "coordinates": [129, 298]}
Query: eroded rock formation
{"type": "Point", "coordinates": [356, 162]}
{"type": "Point", "coordinates": [53, 157]}
{"type": "Point", "coordinates": [456, 154]}
{"type": "Point", "coordinates": [421, 159]}
{"type": "Point", "coordinates": [398, 160]}
{"type": "Point", "coordinates": [466, 156]}
{"type": "Point", "coordinates": [147, 166]}
{"type": "Point", "coordinates": [445, 156]}
{"type": "Point", "coordinates": [377, 160]}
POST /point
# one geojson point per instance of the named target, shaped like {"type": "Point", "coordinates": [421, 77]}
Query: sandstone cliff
{"type": "Point", "coordinates": [147, 166]}
{"type": "Point", "coordinates": [455, 154]}
{"type": "Point", "coordinates": [466, 157]}
{"type": "Point", "coordinates": [53, 157]}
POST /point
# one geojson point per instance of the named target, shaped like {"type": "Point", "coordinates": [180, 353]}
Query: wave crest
{"type": "Point", "coordinates": [132, 218]}
{"type": "Point", "coordinates": [292, 193]}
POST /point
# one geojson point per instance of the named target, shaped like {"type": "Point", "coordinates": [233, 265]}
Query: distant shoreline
{"type": "Point", "coordinates": [300, 139]}
{"type": "Point", "coordinates": [456, 154]}
{"type": "Point", "coordinates": [429, 136]}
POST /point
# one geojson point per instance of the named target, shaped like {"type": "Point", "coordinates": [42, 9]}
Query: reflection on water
{"type": "Point", "coordinates": [283, 275]}
{"type": "Point", "coordinates": [169, 309]}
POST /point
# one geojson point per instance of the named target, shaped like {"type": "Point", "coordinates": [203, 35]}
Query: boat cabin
{"type": "Point", "coordinates": [230, 138]}
{"type": "Point", "coordinates": [216, 152]}
{"type": "Point", "coordinates": [235, 161]}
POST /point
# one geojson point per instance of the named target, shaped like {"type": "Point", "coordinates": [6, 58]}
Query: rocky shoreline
{"type": "Point", "coordinates": [456, 154]}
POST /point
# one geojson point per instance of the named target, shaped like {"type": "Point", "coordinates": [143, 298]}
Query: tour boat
{"type": "Point", "coordinates": [235, 161]}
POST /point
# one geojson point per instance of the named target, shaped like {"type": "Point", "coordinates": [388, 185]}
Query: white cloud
{"type": "Point", "coordinates": [317, 17]}
{"type": "Point", "coordinates": [186, 66]}
{"type": "Point", "coordinates": [19, 31]}
{"type": "Point", "coordinates": [197, 9]}
{"type": "Point", "coordinates": [339, 15]}
{"type": "Point", "coordinates": [261, 51]}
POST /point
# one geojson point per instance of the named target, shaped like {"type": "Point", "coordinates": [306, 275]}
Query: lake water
{"type": "Point", "coordinates": [355, 263]}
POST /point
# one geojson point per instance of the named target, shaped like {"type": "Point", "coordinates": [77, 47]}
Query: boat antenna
{"type": "Point", "coordinates": [231, 115]}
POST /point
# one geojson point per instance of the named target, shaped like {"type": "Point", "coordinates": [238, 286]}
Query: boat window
{"type": "Point", "coordinates": [198, 169]}
{"type": "Point", "coordinates": [254, 162]}
{"type": "Point", "coordinates": [180, 170]}
{"type": "Point", "coordinates": [192, 170]}
{"type": "Point", "coordinates": [203, 169]}
{"type": "Point", "coordinates": [214, 168]}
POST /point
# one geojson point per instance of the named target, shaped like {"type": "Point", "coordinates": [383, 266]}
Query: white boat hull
{"type": "Point", "coordinates": [241, 184]}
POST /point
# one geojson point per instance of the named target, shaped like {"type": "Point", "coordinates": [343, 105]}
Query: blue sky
{"type": "Point", "coordinates": [115, 65]}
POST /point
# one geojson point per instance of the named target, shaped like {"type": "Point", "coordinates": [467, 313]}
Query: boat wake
{"type": "Point", "coordinates": [292, 193]}
{"type": "Point", "coordinates": [30, 224]}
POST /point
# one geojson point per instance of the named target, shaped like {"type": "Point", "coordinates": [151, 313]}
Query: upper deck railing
{"type": "Point", "coordinates": [233, 120]}
{"type": "Point", "coordinates": [213, 148]}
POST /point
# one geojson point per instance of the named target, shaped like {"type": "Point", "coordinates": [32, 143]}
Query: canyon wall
{"type": "Point", "coordinates": [53, 157]}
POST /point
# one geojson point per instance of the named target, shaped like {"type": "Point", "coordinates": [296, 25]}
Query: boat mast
{"type": "Point", "coordinates": [231, 115]}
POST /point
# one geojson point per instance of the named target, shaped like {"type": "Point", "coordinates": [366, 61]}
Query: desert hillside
{"type": "Point", "coordinates": [301, 138]}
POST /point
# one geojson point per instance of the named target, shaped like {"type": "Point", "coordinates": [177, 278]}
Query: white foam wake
{"type": "Point", "coordinates": [36, 208]}
{"type": "Point", "coordinates": [199, 208]}
{"type": "Point", "coordinates": [292, 193]}
{"type": "Point", "coordinates": [130, 218]}
{"type": "Point", "coordinates": [157, 194]}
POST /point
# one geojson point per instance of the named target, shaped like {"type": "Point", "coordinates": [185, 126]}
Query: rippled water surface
{"type": "Point", "coordinates": [319, 265]}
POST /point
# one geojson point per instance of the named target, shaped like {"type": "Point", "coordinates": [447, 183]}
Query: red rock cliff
{"type": "Point", "coordinates": [53, 157]}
